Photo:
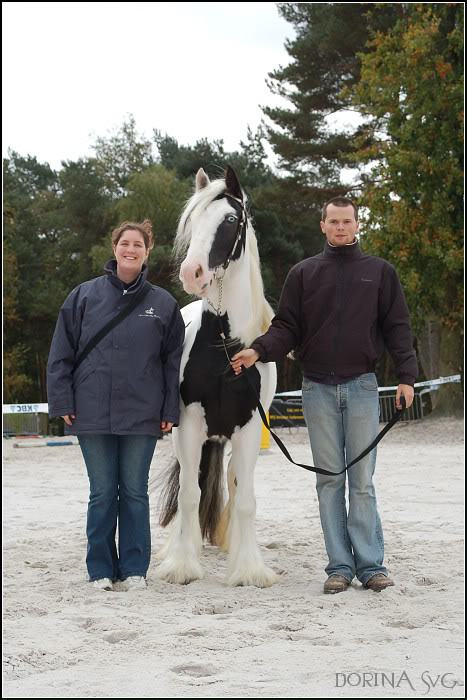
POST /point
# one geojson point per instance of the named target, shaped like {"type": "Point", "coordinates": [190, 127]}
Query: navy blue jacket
{"type": "Point", "coordinates": [339, 309]}
{"type": "Point", "coordinates": [129, 382]}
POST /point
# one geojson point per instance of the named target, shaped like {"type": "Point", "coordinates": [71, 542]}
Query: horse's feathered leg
{"type": "Point", "coordinates": [245, 562]}
{"type": "Point", "coordinates": [181, 562]}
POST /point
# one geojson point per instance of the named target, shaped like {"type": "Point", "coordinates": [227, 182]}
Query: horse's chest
{"type": "Point", "coordinates": [208, 379]}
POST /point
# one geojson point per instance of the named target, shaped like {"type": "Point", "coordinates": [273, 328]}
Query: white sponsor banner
{"type": "Point", "coordinates": [25, 408]}
{"type": "Point", "coordinates": [44, 407]}
{"type": "Point", "coordinates": [430, 382]}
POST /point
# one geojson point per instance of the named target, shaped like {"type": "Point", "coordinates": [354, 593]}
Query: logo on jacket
{"type": "Point", "coordinates": [149, 313]}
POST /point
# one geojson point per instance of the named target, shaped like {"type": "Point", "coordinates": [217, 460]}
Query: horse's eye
{"type": "Point", "coordinates": [231, 219]}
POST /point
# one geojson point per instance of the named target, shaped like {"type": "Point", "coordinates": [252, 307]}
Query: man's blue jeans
{"type": "Point", "coordinates": [342, 421]}
{"type": "Point", "coordinates": [118, 470]}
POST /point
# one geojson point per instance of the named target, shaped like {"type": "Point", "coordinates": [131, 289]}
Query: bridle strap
{"type": "Point", "coordinates": [241, 230]}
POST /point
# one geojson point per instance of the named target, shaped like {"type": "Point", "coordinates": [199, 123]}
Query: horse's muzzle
{"type": "Point", "coordinates": [195, 277]}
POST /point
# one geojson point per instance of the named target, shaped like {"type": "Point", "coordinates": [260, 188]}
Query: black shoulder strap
{"type": "Point", "coordinates": [139, 296]}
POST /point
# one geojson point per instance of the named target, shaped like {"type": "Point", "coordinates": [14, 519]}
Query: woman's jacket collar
{"type": "Point", "coordinates": [110, 269]}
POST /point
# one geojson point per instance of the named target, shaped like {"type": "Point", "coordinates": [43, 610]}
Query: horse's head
{"type": "Point", "coordinates": [212, 231]}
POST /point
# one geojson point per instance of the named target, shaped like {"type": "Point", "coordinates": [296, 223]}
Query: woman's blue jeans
{"type": "Point", "coordinates": [342, 421]}
{"type": "Point", "coordinates": [118, 470]}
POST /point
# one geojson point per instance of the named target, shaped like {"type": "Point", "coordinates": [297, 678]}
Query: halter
{"type": "Point", "coordinates": [240, 232]}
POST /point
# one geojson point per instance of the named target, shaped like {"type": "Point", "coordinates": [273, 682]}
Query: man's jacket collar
{"type": "Point", "coordinates": [342, 252]}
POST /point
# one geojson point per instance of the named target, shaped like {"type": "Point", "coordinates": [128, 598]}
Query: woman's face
{"type": "Point", "coordinates": [130, 253]}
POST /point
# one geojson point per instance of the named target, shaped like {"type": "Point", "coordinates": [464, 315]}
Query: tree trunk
{"type": "Point", "coordinates": [450, 401]}
{"type": "Point", "coordinates": [429, 353]}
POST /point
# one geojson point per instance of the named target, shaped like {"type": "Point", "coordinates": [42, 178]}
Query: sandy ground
{"type": "Point", "coordinates": [64, 639]}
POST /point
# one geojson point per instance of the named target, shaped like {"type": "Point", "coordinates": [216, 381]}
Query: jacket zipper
{"type": "Point", "coordinates": [340, 292]}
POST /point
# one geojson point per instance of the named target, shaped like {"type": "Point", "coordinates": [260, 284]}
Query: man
{"type": "Point", "coordinates": [338, 309]}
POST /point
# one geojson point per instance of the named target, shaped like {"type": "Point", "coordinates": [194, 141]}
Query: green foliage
{"type": "Point", "coordinates": [122, 154]}
{"type": "Point", "coordinates": [249, 163]}
{"type": "Point", "coordinates": [17, 386]}
{"type": "Point", "coordinates": [317, 82]}
{"type": "Point", "coordinates": [411, 91]}
{"type": "Point", "coordinates": [187, 160]}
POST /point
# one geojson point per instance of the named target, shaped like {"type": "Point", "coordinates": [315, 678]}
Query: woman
{"type": "Point", "coordinates": [119, 400]}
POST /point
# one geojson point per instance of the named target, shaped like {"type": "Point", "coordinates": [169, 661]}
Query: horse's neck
{"type": "Point", "coordinates": [237, 301]}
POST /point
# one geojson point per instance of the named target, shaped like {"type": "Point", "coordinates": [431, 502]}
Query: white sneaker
{"type": "Point", "coordinates": [104, 584]}
{"type": "Point", "coordinates": [136, 582]}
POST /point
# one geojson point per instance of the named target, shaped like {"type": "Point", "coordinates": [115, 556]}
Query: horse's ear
{"type": "Point", "coordinates": [232, 183]}
{"type": "Point", "coordinates": [202, 180]}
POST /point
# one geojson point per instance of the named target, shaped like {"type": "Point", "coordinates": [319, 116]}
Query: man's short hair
{"type": "Point", "coordinates": [339, 202]}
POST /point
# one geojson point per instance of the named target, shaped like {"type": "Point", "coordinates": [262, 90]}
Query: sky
{"type": "Point", "coordinates": [75, 70]}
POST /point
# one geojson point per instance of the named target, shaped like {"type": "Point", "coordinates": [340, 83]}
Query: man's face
{"type": "Point", "coordinates": [340, 226]}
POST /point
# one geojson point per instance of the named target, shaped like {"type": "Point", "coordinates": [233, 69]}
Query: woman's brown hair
{"type": "Point", "coordinates": [145, 229]}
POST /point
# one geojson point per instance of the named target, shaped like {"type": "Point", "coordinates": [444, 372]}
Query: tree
{"type": "Point", "coordinates": [88, 212]}
{"type": "Point", "coordinates": [16, 384]}
{"type": "Point", "coordinates": [187, 160]}
{"type": "Point", "coordinates": [325, 62]}
{"type": "Point", "coordinates": [30, 237]}
{"type": "Point", "coordinates": [51, 221]}
{"type": "Point", "coordinates": [122, 154]}
{"type": "Point", "coordinates": [411, 93]}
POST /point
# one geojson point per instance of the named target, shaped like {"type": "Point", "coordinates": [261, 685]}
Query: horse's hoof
{"type": "Point", "coordinates": [261, 578]}
{"type": "Point", "coordinates": [179, 574]}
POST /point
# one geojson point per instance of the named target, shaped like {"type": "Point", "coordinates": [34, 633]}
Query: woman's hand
{"type": "Point", "coordinates": [69, 419]}
{"type": "Point", "coordinates": [166, 426]}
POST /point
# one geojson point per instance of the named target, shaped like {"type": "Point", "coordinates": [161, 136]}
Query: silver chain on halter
{"type": "Point", "coordinates": [219, 281]}
{"type": "Point", "coordinates": [217, 310]}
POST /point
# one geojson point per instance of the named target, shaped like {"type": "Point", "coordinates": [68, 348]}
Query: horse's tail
{"type": "Point", "coordinates": [169, 496]}
{"type": "Point", "coordinates": [211, 483]}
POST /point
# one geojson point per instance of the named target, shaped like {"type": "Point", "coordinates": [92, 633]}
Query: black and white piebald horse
{"type": "Point", "coordinates": [221, 265]}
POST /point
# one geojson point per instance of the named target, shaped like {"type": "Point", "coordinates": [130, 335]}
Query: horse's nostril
{"type": "Point", "coordinates": [198, 272]}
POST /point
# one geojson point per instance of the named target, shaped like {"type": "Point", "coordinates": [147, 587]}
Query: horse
{"type": "Point", "coordinates": [216, 241]}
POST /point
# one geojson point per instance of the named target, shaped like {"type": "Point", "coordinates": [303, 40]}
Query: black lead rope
{"type": "Point", "coordinates": [397, 416]}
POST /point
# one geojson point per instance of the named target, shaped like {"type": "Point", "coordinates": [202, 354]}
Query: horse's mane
{"type": "Point", "coordinates": [194, 208]}
{"type": "Point", "coordinates": [262, 311]}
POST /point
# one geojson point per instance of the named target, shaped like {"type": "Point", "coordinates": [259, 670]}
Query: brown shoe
{"type": "Point", "coordinates": [378, 582]}
{"type": "Point", "coordinates": [336, 584]}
